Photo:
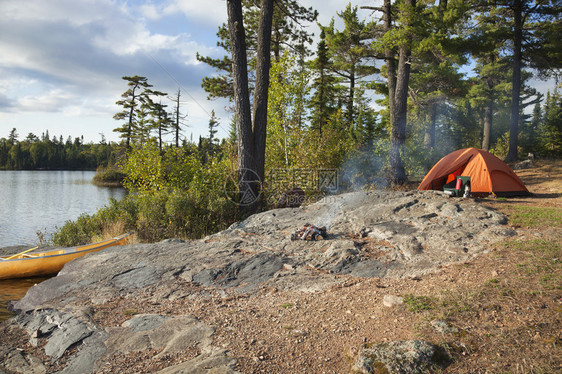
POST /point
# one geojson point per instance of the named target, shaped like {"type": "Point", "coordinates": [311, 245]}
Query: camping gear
{"type": "Point", "coordinates": [24, 265]}
{"type": "Point", "coordinates": [458, 187]}
{"type": "Point", "coordinates": [309, 232]}
{"type": "Point", "coordinates": [488, 174]}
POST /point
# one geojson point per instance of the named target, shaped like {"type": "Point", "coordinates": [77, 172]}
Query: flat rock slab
{"type": "Point", "coordinates": [20, 362]}
{"type": "Point", "coordinates": [163, 333]}
{"type": "Point", "coordinates": [370, 234]}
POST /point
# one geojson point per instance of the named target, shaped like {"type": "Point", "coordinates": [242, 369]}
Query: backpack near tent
{"type": "Point", "coordinates": [488, 174]}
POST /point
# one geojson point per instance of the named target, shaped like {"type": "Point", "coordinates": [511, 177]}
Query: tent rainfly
{"type": "Point", "coordinates": [488, 174]}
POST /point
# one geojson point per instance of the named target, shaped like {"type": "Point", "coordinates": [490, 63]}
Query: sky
{"type": "Point", "coordinates": [61, 61]}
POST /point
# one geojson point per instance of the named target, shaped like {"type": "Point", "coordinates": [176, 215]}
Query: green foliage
{"type": "Point", "coordinates": [170, 195]}
{"type": "Point", "coordinates": [286, 109]}
{"type": "Point", "coordinates": [323, 102]}
{"type": "Point", "coordinates": [500, 148]}
{"type": "Point", "coordinates": [144, 169]}
{"type": "Point", "coordinates": [143, 113]}
{"type": "Point", "coordinates": [287, 35]}
{"type": "Point", "coordinates": [551, 126]}
{"type": "Point", "coordinates": [77, 232]}
{"type": "Point", "coordinates": [349, 53]}
{"type": "Point", "coordinates": [111, 175]}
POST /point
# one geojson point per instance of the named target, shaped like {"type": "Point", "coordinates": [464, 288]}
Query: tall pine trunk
{"type": "Point", "coordinates": [397, 171]}
{"type": "Point", "coordinates": [251, 138]}
{"type": "Point", "coordinates": [487, 132]}
{"type": "Point", "coordinates": [177, 126]}
{"type": "Point", "coordinates": [350, 99]}
{"type": "Point", "coordinates": [516, 84]}
{"type": "Point", "coordinates": [429, 136]}
{"type": "Point", "coordinates": [389, 59]}
{"type": "Point", "coordinates": [246, 159]}
{"type": "Point", "coordinates": [262, 85]}
{"type": "Point", "coordinates": [400, 111]}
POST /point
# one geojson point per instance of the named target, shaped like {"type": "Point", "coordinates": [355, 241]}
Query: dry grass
{"type": "Point", "coordinates": [114, 230]}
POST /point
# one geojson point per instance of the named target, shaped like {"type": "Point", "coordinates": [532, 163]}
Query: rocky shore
{"type": "Point", "coordinates": [168, 307]}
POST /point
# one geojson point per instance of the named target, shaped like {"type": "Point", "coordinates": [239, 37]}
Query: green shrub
{"type": "Point", "coordinates": [77, 232]}
{"type": "Point", "coordinates": [170, 195]}
{"type": "Point", "coordinates": [111, 175]}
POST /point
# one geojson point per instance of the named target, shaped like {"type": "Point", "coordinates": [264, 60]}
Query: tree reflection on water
{"type": "Point", "coordinates": [14, 289]}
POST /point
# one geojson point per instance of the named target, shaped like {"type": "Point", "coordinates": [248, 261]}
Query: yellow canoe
{"type": "Point", "coordinates": [25, 265]}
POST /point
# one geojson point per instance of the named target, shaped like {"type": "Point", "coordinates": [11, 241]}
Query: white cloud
{"type": "Point", "coordinates": [211, 11]}
{"type": "Point", "coordinates": [61, 61]}
{"type": "Point", "coordinates": [51, 101]}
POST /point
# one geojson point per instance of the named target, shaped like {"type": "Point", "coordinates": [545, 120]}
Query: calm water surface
{"type": "Point", "coordinates": [32, 201]}
{"type": "Point", "coordinates": [14, 289]}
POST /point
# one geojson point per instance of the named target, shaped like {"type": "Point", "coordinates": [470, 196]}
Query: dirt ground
{"type": "Point", "coordinates": [505, 307]}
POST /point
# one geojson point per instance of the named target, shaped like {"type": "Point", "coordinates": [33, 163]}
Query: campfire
{"type": "Point", "coordinates": [309, 232]}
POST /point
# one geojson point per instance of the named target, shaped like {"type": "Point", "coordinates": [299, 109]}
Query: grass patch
{"type": "Point", "coordinates": [418, 303]}
{"type": "Point", "coordinates": [542, 266]}
{"type": "Point", "coordinates": [535, 217]}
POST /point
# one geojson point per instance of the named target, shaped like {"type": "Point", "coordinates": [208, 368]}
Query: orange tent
{"type": "Point", "coordinates": [487, 173]}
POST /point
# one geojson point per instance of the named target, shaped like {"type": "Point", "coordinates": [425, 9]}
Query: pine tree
{"type": "Point", "coordinates": [323, 100]}
{"type": "Point", "coordinates": [349, 53]}
{"type": "Point", "coordinates": [178, 118]}
{"type": "Point", "coordinates": [13, 137]}
{"type": "Point", "coordinates": [396, 38]}
{"type": "Point", "coordinates": [529, 42]}
{"type": "Point", "coordinates": [551, 129]}
{"type": "Point", "coordinates": [435, 78]}
{"type": "Point", "coordinates": [251, 133]}
{"type": "Point", "coordinates": [213, 124]}
{"type": "Point", "coordinates": [132, 99]}
{"type": "Point", "coordinates": [287, 33]}
{"type": "Point", "coordinates": [161, 122]}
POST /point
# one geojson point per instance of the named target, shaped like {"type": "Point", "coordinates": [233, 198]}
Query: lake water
{"type": "Point", "coordinates": [14, 289]}
{"type": "Point", "coordinates": [32, 201]}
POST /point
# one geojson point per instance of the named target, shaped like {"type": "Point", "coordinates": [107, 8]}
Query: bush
{"type": "Point", "coordinates": [180, 198]}
{"type": "Point", "coordinates": [76, 233]}
{"type": "Point", "coordinates": [110, 176]}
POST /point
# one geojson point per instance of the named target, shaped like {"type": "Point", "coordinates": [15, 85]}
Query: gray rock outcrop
{"type": "Point", "coordinates": [370, 234]}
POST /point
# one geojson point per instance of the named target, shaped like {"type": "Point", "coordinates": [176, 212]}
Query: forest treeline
{"type": "Point", "coordinates": [34, 152]}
